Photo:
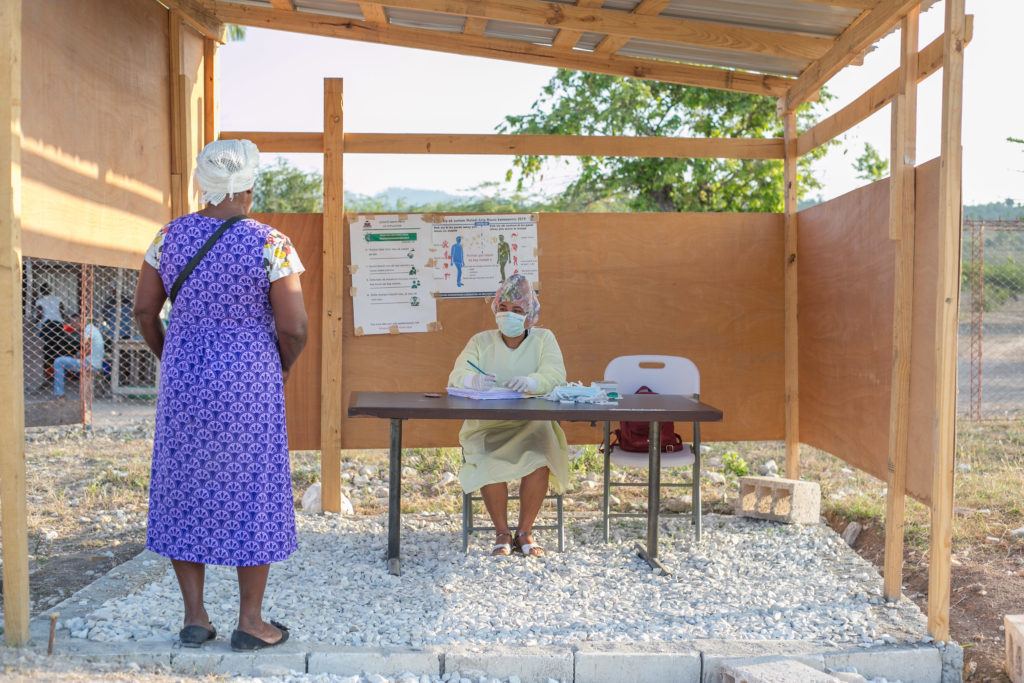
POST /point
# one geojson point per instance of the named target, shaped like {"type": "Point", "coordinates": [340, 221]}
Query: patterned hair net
{"type": "Point", "coordinates": [225, 167]}
{"type": "Point", "coordinates": [517, 291]}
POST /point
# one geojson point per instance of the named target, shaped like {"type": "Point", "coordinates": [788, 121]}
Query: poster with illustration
{"type": "Point", "coordinates": [392, 281]}
{"type": "Point", "coordinates": [473, 254]}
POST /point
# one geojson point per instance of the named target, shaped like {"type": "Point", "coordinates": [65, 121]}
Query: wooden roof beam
{"type": "Point", "coordinates": [201, 16]}
{"type": "Point", "coordinates": [508, 50]}
{"type": "Point", "coordinates": [612, 44]}
{"type": "Point", "coordinates": [851, 43]}
{"type": "Point", "coordinates": [848, 4]}
{"type": "Point", "coordinates": [567, 37]}
{"type": "Point", "coordinates": [474, 26]}
{"type": "Point", "coordinates": [629, 25]}
{"type": "Point", "coordinates": [929, 60]}
{"type": "Point", "coordinates": [286, 5]}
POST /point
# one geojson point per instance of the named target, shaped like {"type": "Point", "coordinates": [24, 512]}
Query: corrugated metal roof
{"type": "Point", "coordinates": [448, 23]}
{"type": "Point", "coordinates": [787, 16]}
{"type": "Point", "coordinates": [348, 10]}
{"type": "Point", "coordinates": [727, 58]}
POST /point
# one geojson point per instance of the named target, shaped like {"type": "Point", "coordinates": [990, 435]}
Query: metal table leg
{"type": "Point", "coordinates": [650, 553]}
{"type": "Point", "coordinates": [697, 519]}
{"type": "Point", "coordinates": [395, 500]}
{"type": "Point", "coordinates": [605, 502]}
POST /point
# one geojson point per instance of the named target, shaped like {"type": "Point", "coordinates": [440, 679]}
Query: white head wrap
{"type": "Point", "coordinates": [225, 167]}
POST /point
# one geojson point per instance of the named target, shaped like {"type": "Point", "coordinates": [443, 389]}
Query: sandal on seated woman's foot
{"type": "Point", "coordinates": [524, 545]}
{"type": "Point", "coordinates": [246, 642]}
{"type": "Point", "coordinates": [502, 549]}
{"type": "Point", "coordinates": [195, 635]}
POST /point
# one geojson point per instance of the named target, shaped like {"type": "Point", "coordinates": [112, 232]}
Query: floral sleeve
{"type": "Point", "coordinates": [156, 248]}
{"type": "Point", "coordinates": [280, 258]}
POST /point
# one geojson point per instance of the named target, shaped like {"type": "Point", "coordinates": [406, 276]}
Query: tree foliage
{"type": "Point", "coordinates": [576, 103]}
{"type": "Point", "coordinates": [282, 188]}
{"type": "Point", "coordinates": [870, 165]}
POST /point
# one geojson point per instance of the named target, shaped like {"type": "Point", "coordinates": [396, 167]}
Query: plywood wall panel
{"type": "Point", "coordinates": [96, 161]}
{"type": "Point", "coordinates": [845, 326]}
{"type": "Point", "coordinates": [706, 286]}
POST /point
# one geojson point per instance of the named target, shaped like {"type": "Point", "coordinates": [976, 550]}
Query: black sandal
{"type": "Point", "coordinates": [195, 635]}
{"type": "Point", "coordinates": [247, 642]}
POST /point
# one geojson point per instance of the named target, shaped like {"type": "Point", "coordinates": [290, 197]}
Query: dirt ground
{"type": "Point", "coordinates": [87, 499]}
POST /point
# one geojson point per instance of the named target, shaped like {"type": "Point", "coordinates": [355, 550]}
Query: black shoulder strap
{"type": "Point", "coordinates": [191, 265]}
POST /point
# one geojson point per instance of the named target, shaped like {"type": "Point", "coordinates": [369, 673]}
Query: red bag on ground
{"type": "Point", "coordinates": [634, 437]}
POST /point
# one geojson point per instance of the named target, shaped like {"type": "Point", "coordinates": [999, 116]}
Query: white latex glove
{"type": "Point", "coordinates": [523, 384]}
{"type": "Point", "coordinates": [479, 382]}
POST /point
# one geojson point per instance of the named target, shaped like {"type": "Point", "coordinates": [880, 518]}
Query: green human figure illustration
{"type": "Point", "coordinates": [503, 255]}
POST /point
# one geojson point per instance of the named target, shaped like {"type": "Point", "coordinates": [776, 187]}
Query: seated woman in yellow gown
{"type": "Point", "coordinates": [526, 358]}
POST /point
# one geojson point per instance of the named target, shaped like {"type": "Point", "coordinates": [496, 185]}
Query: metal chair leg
{"type": "Point", "coordinates": [561, 524]}
{"type": "Point", "coordinates": [467, 520]}
{"type": "Point", "coordinates": [606, 504]}
{"type": "Point", "coordinates": [696, 502]}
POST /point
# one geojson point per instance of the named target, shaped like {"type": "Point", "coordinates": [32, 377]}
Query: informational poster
{"type": "Point", "coordinates": [392, 281]}
{"type": "Point", "coordinates": [472, 255]}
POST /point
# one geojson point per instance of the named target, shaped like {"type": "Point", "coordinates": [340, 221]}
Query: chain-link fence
{"type": "Point", "coordinates": [991, 363]}
{"type": "Point", "coordinates": [82, 348]}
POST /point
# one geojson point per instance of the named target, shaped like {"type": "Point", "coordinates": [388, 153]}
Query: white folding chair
{"type": "Point", "coordinates": [671, 375]}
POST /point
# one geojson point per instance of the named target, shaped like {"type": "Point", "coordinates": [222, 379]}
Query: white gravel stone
{"type": "Point", "coordinates": [312, 499]}
{"type": "Point", "coordinates": [747, 580]}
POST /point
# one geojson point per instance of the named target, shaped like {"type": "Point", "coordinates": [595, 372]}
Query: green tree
{"type": "Point", "coordinates": [282, 188]}
{"type": "Point", "coordinates": [575, 103]}
{"type": "Point", "coordinates": [870, 165]}
{"type": "Point", "coordinates": [236, 33]}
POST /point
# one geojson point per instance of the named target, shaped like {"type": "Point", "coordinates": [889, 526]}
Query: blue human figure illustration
{"type": "Point", "coordinates": [458, 260]}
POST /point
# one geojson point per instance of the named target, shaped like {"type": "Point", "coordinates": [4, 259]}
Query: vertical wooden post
{"type": "Point", "coordinates": [902, 160]}
{"type": "Point", "coordinates": [331, 399]}
{"type": "Point", "coordinates": [178, 191]}
{"type": "Point", "coordinates": [210, 127]}
{"type": "Point", "coordinates": [792, 359]}
{"type": "Point", "coordinates": [13, 512]}
{"type": "Point", "coordinates": [946, 309]}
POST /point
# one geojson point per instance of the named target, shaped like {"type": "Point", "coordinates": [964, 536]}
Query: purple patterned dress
{"type": "Point", "coordinates": [220, 491]}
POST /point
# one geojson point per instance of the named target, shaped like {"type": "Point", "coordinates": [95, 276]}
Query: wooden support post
{"type": "Point", "coordinates": [331, 399]}
{"type": "Point", "coordinates": [946, 309]}
{"type": "Point", "coordinates": [209, 91]}
{"type": "Point", "coordinates": [13, 511]}
{"type": "Point", "coordinates": [902, 160]}
{"type": "Point", "coordinates": [178, 183]}
{"type": "Point", "coordinates": [792, 358]}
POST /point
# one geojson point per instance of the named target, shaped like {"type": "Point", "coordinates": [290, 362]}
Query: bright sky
{"type": "Point", "coordinates": [273, 81]}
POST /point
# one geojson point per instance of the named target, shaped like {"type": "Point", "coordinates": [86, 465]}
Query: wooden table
{"type": "Point", "coordinates": [652, 408]}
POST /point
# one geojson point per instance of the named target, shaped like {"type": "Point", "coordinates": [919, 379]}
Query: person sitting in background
{"type": "Point", "coordinates": [50, 317]}
{"type": "Point", "coordinates": [526, 358]}
{"type": "Point", "coordinates": [92, 348]}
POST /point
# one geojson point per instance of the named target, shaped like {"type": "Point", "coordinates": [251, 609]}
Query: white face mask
{"type": "Point", "coordinates": [510, 324]}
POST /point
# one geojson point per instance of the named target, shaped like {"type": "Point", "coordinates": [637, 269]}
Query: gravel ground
{"type": "Point", "coordinates": [747, 580]}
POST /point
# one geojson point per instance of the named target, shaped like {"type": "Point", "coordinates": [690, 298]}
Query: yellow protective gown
{"type": "Point", "coordinates": [503, 450]}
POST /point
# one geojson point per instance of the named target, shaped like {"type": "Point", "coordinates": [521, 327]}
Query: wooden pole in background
{"type": "Point", "coordinates": [13, 511]}
{"type": "Point", "coordinates": [331, 399]}
{"type": "Point", "coordinates": [902, 161]}
{"type": "Point", "coordinates": [209, 91]}
{"type": "Point", "coordinates": [792, 358]}
{"type": "Point", "coordinates": [946, 309]}
{"type": "Point", "coordinates": [178, 202]}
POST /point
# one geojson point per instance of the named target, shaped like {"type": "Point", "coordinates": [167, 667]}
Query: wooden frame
{"type": "Point", "coordinates": [902, 162]}
{"type": "Point", "coordinates": [13, 506]}
{"type": "Point", "coordinates": [538, 145]}
{"type": "Point", "coordinates": [828, 57]}
{"type": "Point", "coordinates": [333, 302]}
{"type": "Point", "coordinates": [946, 308]}
{"type": "Point", "coordinates": [790, 265]}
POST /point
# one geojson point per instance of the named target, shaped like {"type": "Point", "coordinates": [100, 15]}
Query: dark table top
{"type": "Point", "coordinates": [636, 407]}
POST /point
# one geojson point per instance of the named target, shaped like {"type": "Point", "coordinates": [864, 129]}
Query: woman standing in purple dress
{"type": "Point", "coordinates": [221, 490]}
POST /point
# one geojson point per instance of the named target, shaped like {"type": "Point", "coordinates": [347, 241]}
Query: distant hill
{"type": "Point", "coordinates": [395, 198]}
{"type": "Point", "coordinates": [1006, 210]}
